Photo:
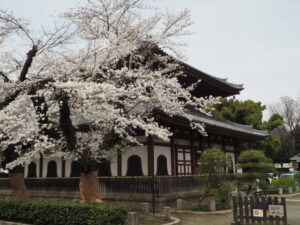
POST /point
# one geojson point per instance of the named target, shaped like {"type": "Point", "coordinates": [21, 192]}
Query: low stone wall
{"type": "Point", "coordinates": [2, 222]}
{"type": "Point", "coordinates": [133, 201]}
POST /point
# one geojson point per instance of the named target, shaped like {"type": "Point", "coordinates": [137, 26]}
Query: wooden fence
{"type": "Point", "coordinates": [259, 210]}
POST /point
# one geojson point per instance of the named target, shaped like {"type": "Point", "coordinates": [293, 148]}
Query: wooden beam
{"type": "Point", "coordinates": [41, 166]}
{"type": "Point", "coordinates": [63, 167]}
{"type": "Point", "coordinates": [173, 160]}
{"type": "Point", "coordinates": [119, 163]}
{"type": "Point", "coordinates": [193, 157]}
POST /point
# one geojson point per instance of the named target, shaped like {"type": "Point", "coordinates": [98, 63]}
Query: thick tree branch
{"type": "Point", "coordinates": [65, 121]}
{"type": "Point", "coordinates": [30, 55]}
{"type": "Point", "coordinates": [9, 99]}
{"type": "Point", "coordinates": [4, 77]}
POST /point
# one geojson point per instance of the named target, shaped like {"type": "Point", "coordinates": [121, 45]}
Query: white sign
{"type": "Point", "coordinates": [258, 213]}
{"type": "Point", "coordinates": [276, 210]}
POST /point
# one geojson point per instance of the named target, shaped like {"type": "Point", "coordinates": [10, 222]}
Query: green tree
{"type": "Point", "coordinates": [212, 163]}
{"type": "Point", "coordinates": [244, 112]}
{"type": "Point", "coordinates": [255, 166]}
{"type": "Point", "coordinates": [251, 113]}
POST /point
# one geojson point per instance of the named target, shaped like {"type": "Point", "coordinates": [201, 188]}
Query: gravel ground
{"type": "Point", "coordinates": [293, 211]}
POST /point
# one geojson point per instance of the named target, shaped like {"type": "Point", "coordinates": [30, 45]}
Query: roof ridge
{"type": "Point", "coordinates": [222, 80]}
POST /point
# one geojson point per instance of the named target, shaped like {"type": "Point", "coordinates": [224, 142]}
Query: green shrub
{"type": "Point", "coordinates": [297, 177]}
{"type": "Point", "coordinates": [201, 208]}
{"type": "Point", "coordinates": [223, 193]}
{"type": "Point", "coordinates": [61, 213]}
{"type": "Point", "coordinates": [283, 183]}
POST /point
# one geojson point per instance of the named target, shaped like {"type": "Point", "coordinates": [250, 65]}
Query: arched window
{"type": "Point", "coordinates": [52, 169]}
{"type": "Point", "coordinates": [162, 168]}
{"type": "Point", "coordinates": [75, 169]}
{"type": "Point", "coordinates": [134, 166]}
{"type": "Point", "coordinates": [104, 169]}
{"type": "Point", "coordinates": [31, 170]}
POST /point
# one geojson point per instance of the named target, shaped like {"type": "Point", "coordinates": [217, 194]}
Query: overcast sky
{"type": "Point", "coordinates": [254, 42]}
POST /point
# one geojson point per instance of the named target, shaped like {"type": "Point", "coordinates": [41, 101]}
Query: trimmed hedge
{"type": "Point", "coordinates": [61, 213]}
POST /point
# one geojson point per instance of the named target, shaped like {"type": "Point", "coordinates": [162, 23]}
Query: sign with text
{"type": "Point", "coordinates": [258, 213]}
{"type": "Point", "coordinates": [276, 210]}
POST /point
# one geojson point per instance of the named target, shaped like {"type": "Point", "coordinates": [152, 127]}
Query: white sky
{"type": "Point", "coordinates": [254, 42]}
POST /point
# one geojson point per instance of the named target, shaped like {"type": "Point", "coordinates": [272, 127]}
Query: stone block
{"type": "Point", "coordinates": [132, 218]}
{"type": "Point", "coordinates": [167, 213]}
{"type": "Point", "coordinates": [146, 207]}
{"type": "Point", "coordinates": [179, 203]}
{"type": "Point", "coordinates": [212, 205]}
{"type": "Point", "coordinates": [280, 191]}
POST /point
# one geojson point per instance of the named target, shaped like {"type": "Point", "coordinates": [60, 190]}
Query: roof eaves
{"type": "Point", "coordinates": [228, 125]}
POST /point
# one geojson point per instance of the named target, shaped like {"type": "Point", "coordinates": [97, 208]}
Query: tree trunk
{"type": "Point", "coordinates": [19, 190]}
{"type": "Point", "coordinates": [16, 175]}
{"type": "Point", "coordinates": [89, 187]}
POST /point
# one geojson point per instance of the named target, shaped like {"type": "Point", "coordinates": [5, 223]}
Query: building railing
{"type": "Point", "coordinates": [111, 185]}
{"type": "Point", "coordinates": [161, 185]}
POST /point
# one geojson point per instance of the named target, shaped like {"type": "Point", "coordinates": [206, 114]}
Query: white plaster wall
{"type": "Point", "coordinates": [218, 146]}
{"type": "Point", "coordinates": [68, 167]}
{"type": "Point", "coordinates": [229, 147]}
{"type": "Point", "coordinates": [166, 151]}
{"type": "Point", "coordinates": [58, 161]}
{"type": "Point", "coordinates": [141, 138]}
{"type": "Point", "coordinates": [196, 144]}
{"type": "Point", "coordinates": [140, 151]}
{"type": "Point", "coordinates": [114, 165]}
{"type": "Point", "coordinates": [182, 142]}
{"type": "Point", "coordinates": [37, 163]}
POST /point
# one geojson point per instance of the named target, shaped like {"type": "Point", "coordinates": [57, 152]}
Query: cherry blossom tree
{"type": "Point", "coordinates": [20, 126]}
{"type": "Point", "coordinates": [94, 99]}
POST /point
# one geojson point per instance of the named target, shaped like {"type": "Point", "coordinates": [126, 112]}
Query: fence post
{"type": "Point", "coordinates": [230, 203]}
{"type": "Point", "coordinates": [146, 207]}
{"type": "Point", "coordinates": [179, 203]}
{"type": "Point", "coordinates": [280, 191]}
{"type": "Point", "coordinates": [290, 190]}
{"type": "Point", "coordinates": [212, 205]}
{"type": "Point", "coordinates": [132, 218]}
{"type": "Point", "coordinates": [167, 213]}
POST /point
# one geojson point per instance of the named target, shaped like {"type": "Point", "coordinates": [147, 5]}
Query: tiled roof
{"type": "Point", "coordinates": [226, 124]}
{"type": "Point", "coordinates": [143, 108]}
{"type": "Point", "coordinates": [211, 77]}
{"type": "Point", "coordinates": [223, 81]}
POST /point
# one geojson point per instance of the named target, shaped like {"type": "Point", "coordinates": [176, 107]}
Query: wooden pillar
{"type": "Point", "coordinates": [208, 141]}
{"type": "Point", "coordinates": [173, 160]}
{"type": "Point", "coordinates": [119, 163]}
{"type": "Point", "coordinates": [235, 147]}
{"type": "Point", "coordinates": [41, 166]}
{"type": "Point", "coordinates": [193, 156]}
{"type": "Point", "coordinates": [63, 167]}
{"type": "Point", "coordinates": [150, 145]}
{"type": "Point", "coordinates": [224, 143]}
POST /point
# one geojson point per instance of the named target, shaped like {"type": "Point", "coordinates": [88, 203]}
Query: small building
{"type": "Point", "coordinates": [295, 162]}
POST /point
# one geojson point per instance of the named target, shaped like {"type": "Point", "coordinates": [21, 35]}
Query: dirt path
{"type": "Point", "coordinates": [293, 212]}
{"type": "Point", "coordinates": [189, 219]}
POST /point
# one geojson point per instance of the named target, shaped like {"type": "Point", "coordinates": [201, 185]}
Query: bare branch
{"type": "Point", "coordinates": [14, 24]}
